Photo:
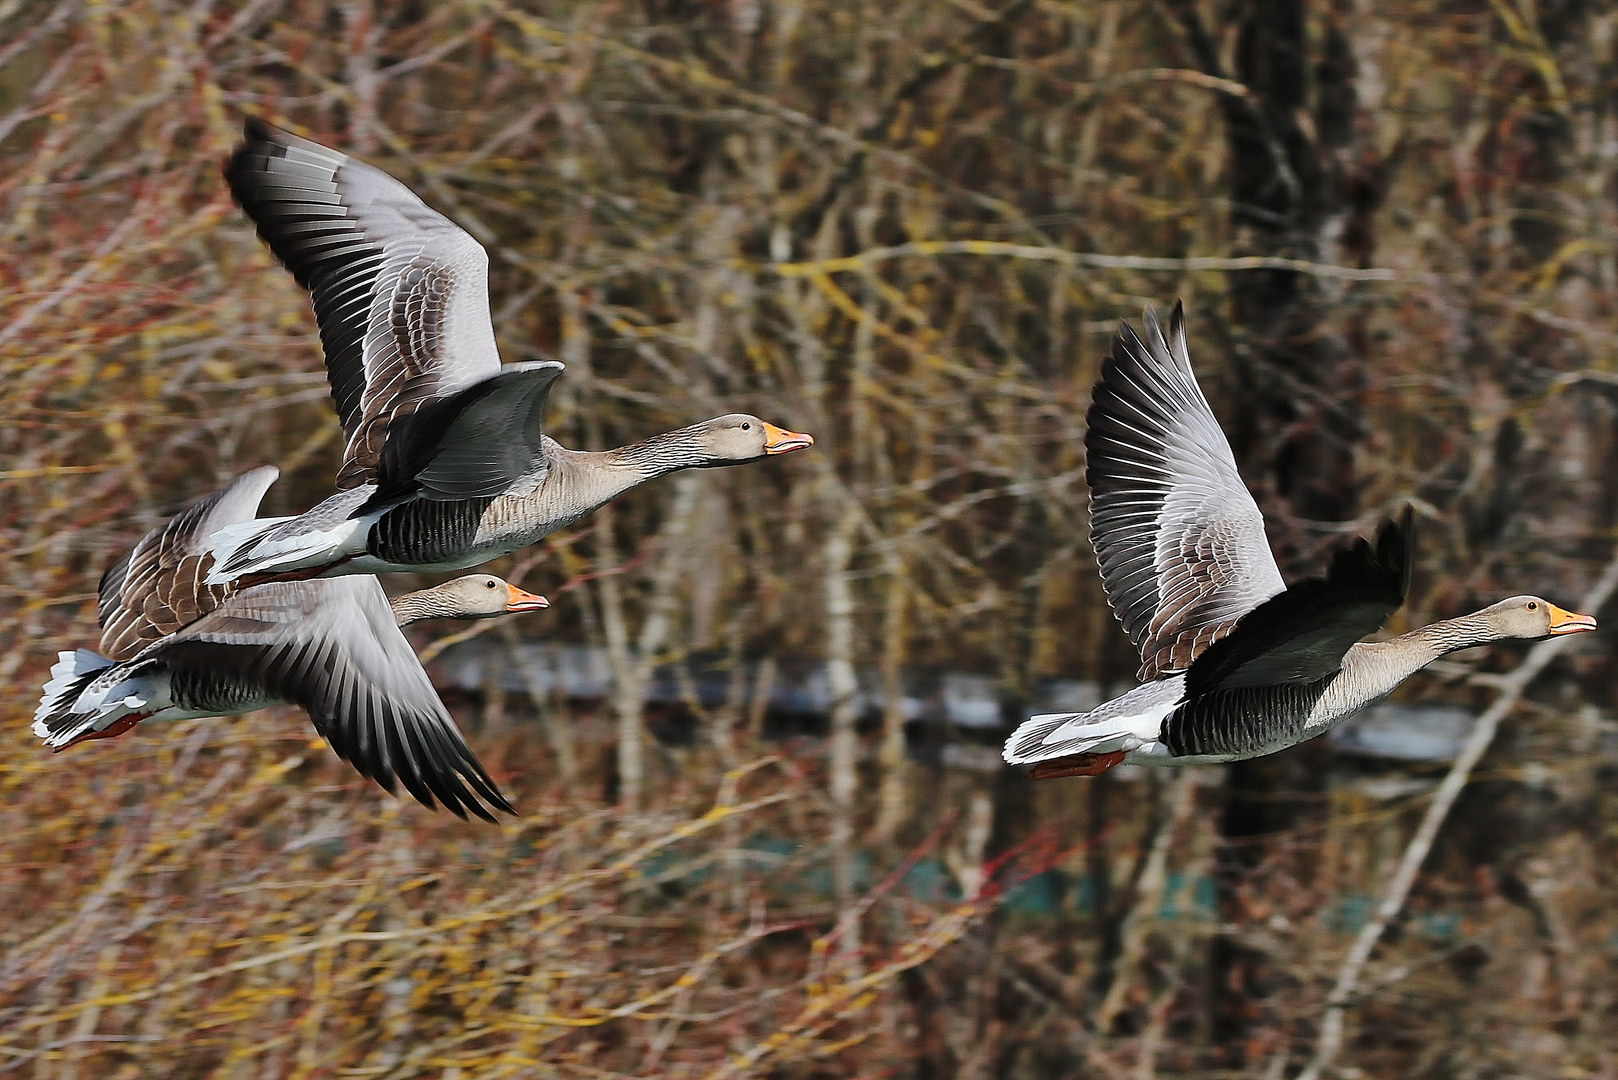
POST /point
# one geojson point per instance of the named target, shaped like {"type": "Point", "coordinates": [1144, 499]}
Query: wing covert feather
{"type": "Point", "coordinates": [159, 586]}
{"type": "Point", "coordinates": [1300, 636]}
{"type": "Point", "coordinates": [1179, 539]}
{"type": "Point", "coordinates": [477, 443]}
{"type": "Point", "coordinates": [401, 293]}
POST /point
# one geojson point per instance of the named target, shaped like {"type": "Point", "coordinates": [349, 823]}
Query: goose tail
{"type": "Point", "coordinates": [59, 719]}
{"type": "Point", "coordinates": [1055, 735]}
{"type": "Point", "coordinates": [1131, 722]}
{"type": "Point", "coordinates": [252, 547]}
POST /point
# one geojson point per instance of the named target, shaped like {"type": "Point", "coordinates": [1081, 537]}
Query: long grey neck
{"type": "Point", "coordinates": [661, 454]}
{"type": "Point", "coordinates": [1374, 668]}
{"type": "Point", "coordinates": [592, 478]}
{"type": "Point", "coordinates": [426, 604]}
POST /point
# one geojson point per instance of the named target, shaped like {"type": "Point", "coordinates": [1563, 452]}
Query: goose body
{"type": "Point", "coordinates": [1235, 664]}
{"type": "Point", "coordinates": [446, 464]}
{"type": "Point", "coordinates": [173, 647]}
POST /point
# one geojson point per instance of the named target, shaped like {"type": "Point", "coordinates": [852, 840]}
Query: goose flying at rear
{"type": "Point", "coordinates": [446, 463]}
{"type": "Point", "coordinates": [177, 648]}
{"type": "Point", "coordinates": [1235, 663]}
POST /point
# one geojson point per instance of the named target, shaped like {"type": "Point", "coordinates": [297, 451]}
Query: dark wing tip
{"type": "Point", "coordinates": [1381, 569]}
{"type": "Point", "coordinates": [1176, 326]}
{"type": "Point", "coordinates": [1154, 329]}
{"type": "Point", "coordinates": [434, 767]}
{"type": "Point", "coordinates": [256, 127]}
{"type": "Point", "coordinates": [1127, 346]}
{"type": "Point", "coordinates": [259, 139]}
{"type": "Point", "coordinates": [1396, 547]}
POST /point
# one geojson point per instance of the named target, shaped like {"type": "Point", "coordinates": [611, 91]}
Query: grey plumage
{"type": "Point", "coordinates": [1235, 663]}
{"type": "Point", "coordinates": [177, 647]}
{"type": "Point", "coordinates": [1301, 635]}
{"type": "Point", "coordinates": [426, 531]}
{"type": "Point", "coordinates": [432, 416]}
{"type": "Point", "coordinates": [1033, 740]}
{"type": "Point", "coordinates": [479, 443]}
{"type": "Point", "coordinates": [158, 587]}
{"type": "Point", "coordinates": [333, 648]}
{"type": "Point", "coordinates": [400, 292]}
{"type": "Point", "coordinates": [1180, 540]}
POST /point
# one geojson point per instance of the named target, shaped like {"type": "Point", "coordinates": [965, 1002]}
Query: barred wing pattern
{"type": "Point", "coordinates": [159, 586]}
{"type": "Point", "coordinates": [1301, 636]}
{"type": "Point", "coordinates": [1179, 538]}
{"type": "Point", "coordinates": [332, 646]}
{"type": "Point", "coordinates": [401, 293]}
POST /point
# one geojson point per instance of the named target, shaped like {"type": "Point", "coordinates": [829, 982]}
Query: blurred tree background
{"type": "Point", "coordinates": [911, 231]}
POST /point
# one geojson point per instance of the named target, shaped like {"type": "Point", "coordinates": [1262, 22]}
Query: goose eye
{"type": "Point", "coordinates": [1532, 606]}
{"type": "Point", "coordinates": [747, 427]}
{"type": "Point", "coordinates": [490, 584]}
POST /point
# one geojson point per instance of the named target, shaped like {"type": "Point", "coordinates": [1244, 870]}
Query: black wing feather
{"type": "Point", "coordinates": [1302, 635]}
{"type": "Point", "coordinates": [331, 646]}
{"type": "Point", "coordinates": [471, 444]}
{"type": "Point", "coordinates": [400, 292]}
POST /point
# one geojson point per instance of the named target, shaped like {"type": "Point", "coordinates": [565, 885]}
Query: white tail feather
{"type": "Point", "coordinates": [66, 676]}
{"type": "Point", "coordinates": [1104, 730]}
{"type": "Point", "coordinates": [242, 548]}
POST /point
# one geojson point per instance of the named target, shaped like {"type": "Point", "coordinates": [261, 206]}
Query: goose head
{"type": "Point", "coordinates": [471, 596]}
{"type": "Point", "coordinates": [483, 596]}
{"type": "Point", "coordinates": [738, 437]}
{"type": "Point", "coordinates": [1532, 617]}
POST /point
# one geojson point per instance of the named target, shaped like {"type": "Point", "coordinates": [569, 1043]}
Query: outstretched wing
{"type": "Point", "coordinates": [401, 293]}
{"type": "Point", "coordinates": [473, 444]}
{"type": "Point", "coordinates": [1302, 635]}
{"type": "Point", "coordinates": [1179, 538]}
{"type": "Point", "coordinates": [159, 586]}
{"type": "Point", "coordinates": [332, 646]}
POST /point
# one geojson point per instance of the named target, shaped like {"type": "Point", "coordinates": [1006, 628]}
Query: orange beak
{"type": "Point", "coordinates": [518, 600]}
{"type": "Point", "coordinates": [112, 730]}
{"type": "Point", "coordinates": [1569, 622]}
{"type": "Point", "coordinates": [781, 441]}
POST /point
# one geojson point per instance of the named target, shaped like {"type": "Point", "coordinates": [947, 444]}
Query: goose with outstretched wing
{"type": "Point", "coordinates": [446, 463]}
{"type": "Point", "coordinates": [174, 647]}
{"type": "Point", "coordinates": [1235, 664]}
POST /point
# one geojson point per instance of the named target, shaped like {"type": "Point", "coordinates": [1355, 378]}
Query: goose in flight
{"type": "Point", "coordinates": [446, 463]}
{"type": "Point", "coordinates": [1234, 663]}
{"type": "Point", "coordinates": [173, 647]}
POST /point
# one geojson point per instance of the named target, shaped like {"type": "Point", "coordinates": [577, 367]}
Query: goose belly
{"type": "Point", "coordinates": [425, 535]}
{"type": "Point", "coordinates": [203, 692]}
{"type": "Point", "coordinates": [1250, 722]}
{"type": "Point", "coordinates": [515, 521]}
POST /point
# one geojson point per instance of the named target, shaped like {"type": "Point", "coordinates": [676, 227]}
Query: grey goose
{"type": "Point", "coordinates": [1235, 664]}
{"type": "Point", "coordinates": [446, 463]}
{"type": "Point", "coordinates": [173, 647]}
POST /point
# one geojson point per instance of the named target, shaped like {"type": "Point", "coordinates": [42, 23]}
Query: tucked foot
{"type": "Point", "coordinates": [111, 731]}
{"type": "Point", "coordinates": [1077, 765]}
{"type": "Point", "coordinates": [306, 573]}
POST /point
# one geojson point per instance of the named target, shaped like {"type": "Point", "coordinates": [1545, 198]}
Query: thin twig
{"type": "Point", "coordinates": [1095, 260]}
{"type": "Point", "coordinates": [1511, 689]}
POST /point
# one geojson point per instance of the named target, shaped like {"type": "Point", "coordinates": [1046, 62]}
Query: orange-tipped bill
{"type": "Point", "coordinates": [112, 730]}
{"type": "Point", "coordinates": [781, 441]}
{"type": "Point", "coordinates": [520, 600]}
{"type": "Point", "coordinates": [1570, 622]}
